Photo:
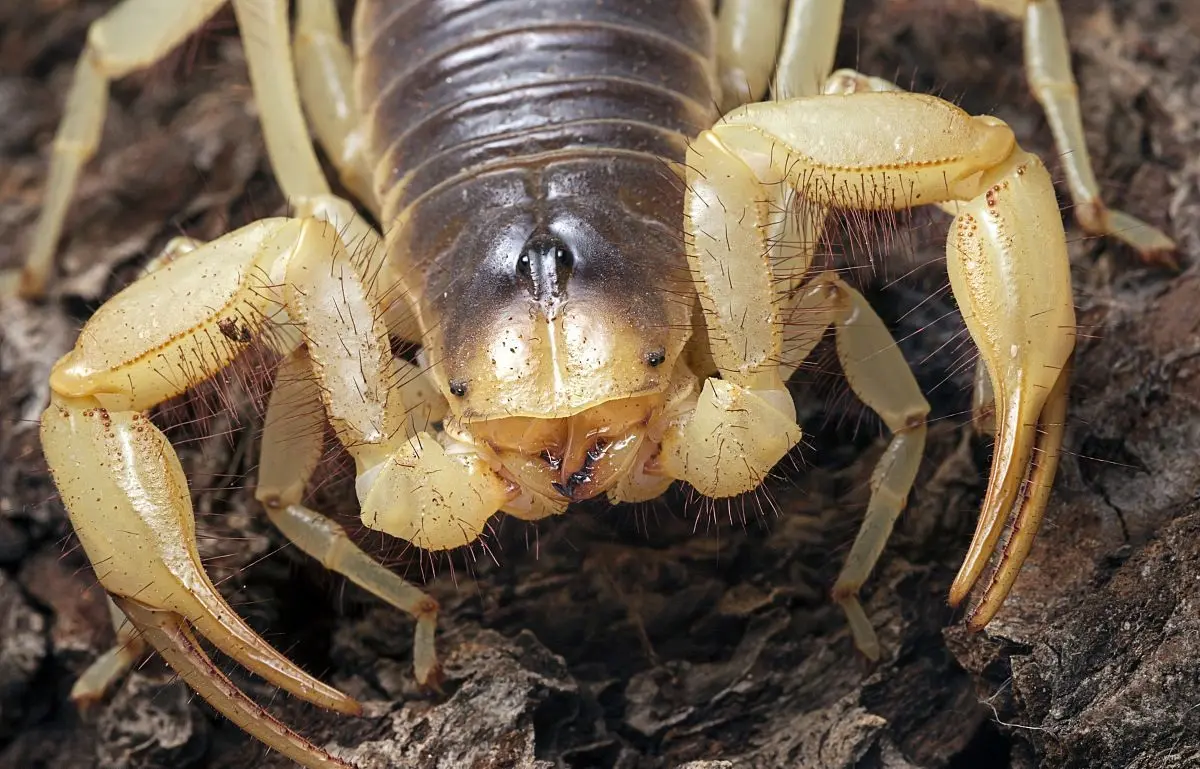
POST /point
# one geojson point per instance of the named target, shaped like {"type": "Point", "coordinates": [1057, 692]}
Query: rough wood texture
{"type": "Point", "coordinates": [679, 633]}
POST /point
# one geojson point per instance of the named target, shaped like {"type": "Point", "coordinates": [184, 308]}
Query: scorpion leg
{"type": "Point", "coordinates": [136, 34]}
{"type": "Point", "coordinates": [175, 248]}
{"type": "Point", "coordinates": [133, 35]}
{"type": "Point", "coordinates": [291, 446]}
{"type": "Point", "coordinates": [325, 73]}
{"type": "Point", "coordinates": [748, 36]}
{"type": "Point", "coordinates": [803, 69]}
{"type": "Point", "coordinates": [112, 665]}
{"type": "Point", "coordinates": [1048, 67]}
{"type": "Point", "coordinates": [320, 67]}
{"type": "Point", "coordinates": [1006, 258]}
{"type": "Point", "coordinates": [809, 44]}
{"type": "Point", "coordinates": [880, 376]}
{"type": "Point", "coordinates": [263, 25]}
{"type": "Point", "coordinates": [755, 40]}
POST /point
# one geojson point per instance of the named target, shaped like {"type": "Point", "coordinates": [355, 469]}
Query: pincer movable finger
{"type": "Point", "coordinates": [1026, 519]}
{"type": "Point", "coordinates": [170, 635]}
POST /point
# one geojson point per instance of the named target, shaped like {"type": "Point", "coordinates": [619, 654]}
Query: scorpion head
{"type": "Point", "coordinates": [556, 343]}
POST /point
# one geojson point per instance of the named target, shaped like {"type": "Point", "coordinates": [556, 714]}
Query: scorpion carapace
{"type": "Point", "coordinates": [604, 281]}
{"type": "Point", "coordinates": [549, 290]}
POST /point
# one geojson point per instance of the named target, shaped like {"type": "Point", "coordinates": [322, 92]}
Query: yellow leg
{"type": "Point", "coordinates": [291, 445]}
{"type": "Point", "coordinates": [175, 248]}
{"type": "Point", "coordinates": [880, 376]}
{"type": "Point", "coordinates": [793, 40]}
{"type": "Point", "coordinates": [1048, 66]}
{"type": "Point", "coordinates": [809, 45]}
{"type": "Point", "coordinates": [325, 73]}
{"type": "Point", "coordinates": [748, 37]}
{"type": "Point", "coordinates": [104, 672]}
{"type": "Point", "coordinates": [263, 25]}
{"type": "Point", "coordinates": [136, 34]}
{"type": "Point", "coordinates": [132, 36]}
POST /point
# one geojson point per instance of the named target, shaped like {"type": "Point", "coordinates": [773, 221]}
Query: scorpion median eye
{"type": "Point", "coordinates": [458, 388]}
{"type": "Point", "coordinates": [654, 358]}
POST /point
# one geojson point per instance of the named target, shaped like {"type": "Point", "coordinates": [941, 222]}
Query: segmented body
{"type": "Point", "coordinates": [452, 90]}
{"type": "Point", "coordinates": [500, 125]}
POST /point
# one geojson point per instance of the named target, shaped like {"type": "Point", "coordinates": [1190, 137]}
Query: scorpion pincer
{"type": "Point", "coordinates": [609, 282]}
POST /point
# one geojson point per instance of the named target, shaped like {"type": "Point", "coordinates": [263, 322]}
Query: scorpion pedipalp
{"type": "Point", "coordinates": [1020, 311]}
{"type": "Point", "coordinates": [1026, 518]}
{"type": "Point", "coordinates": [124, 487]}
{"type": "Point", "coordinates": [1006, 258]}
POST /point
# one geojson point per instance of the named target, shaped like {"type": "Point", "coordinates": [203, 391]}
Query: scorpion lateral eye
{"type": "Point", "coordinates": [458, 388]}
{"type": "Point", "coordinates": [654, 358]}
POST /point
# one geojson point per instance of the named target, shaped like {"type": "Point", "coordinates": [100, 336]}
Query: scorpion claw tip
{"type": "Point", "coordinates": [171, 636]}
{"type": "Point", "coordinates": [1018, 514]}
{"type": "Point", "coordinates": [431, 677]}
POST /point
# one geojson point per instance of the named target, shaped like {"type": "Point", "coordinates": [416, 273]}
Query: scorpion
{"type": "Point", "coordinates": [601, 239]}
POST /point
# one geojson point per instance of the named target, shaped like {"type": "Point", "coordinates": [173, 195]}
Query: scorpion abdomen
{"type": "Point", "coordinates": [452, 87]}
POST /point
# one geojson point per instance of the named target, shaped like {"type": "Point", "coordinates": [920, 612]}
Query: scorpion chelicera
{"type": "Point", "coordinates": [602, 243]}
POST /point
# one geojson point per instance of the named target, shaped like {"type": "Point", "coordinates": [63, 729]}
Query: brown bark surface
{"type": "Point", "coordinates": [677, 633]}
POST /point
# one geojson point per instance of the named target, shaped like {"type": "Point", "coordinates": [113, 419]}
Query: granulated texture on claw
{"type": "Point", "coordinates": [675, 640]}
